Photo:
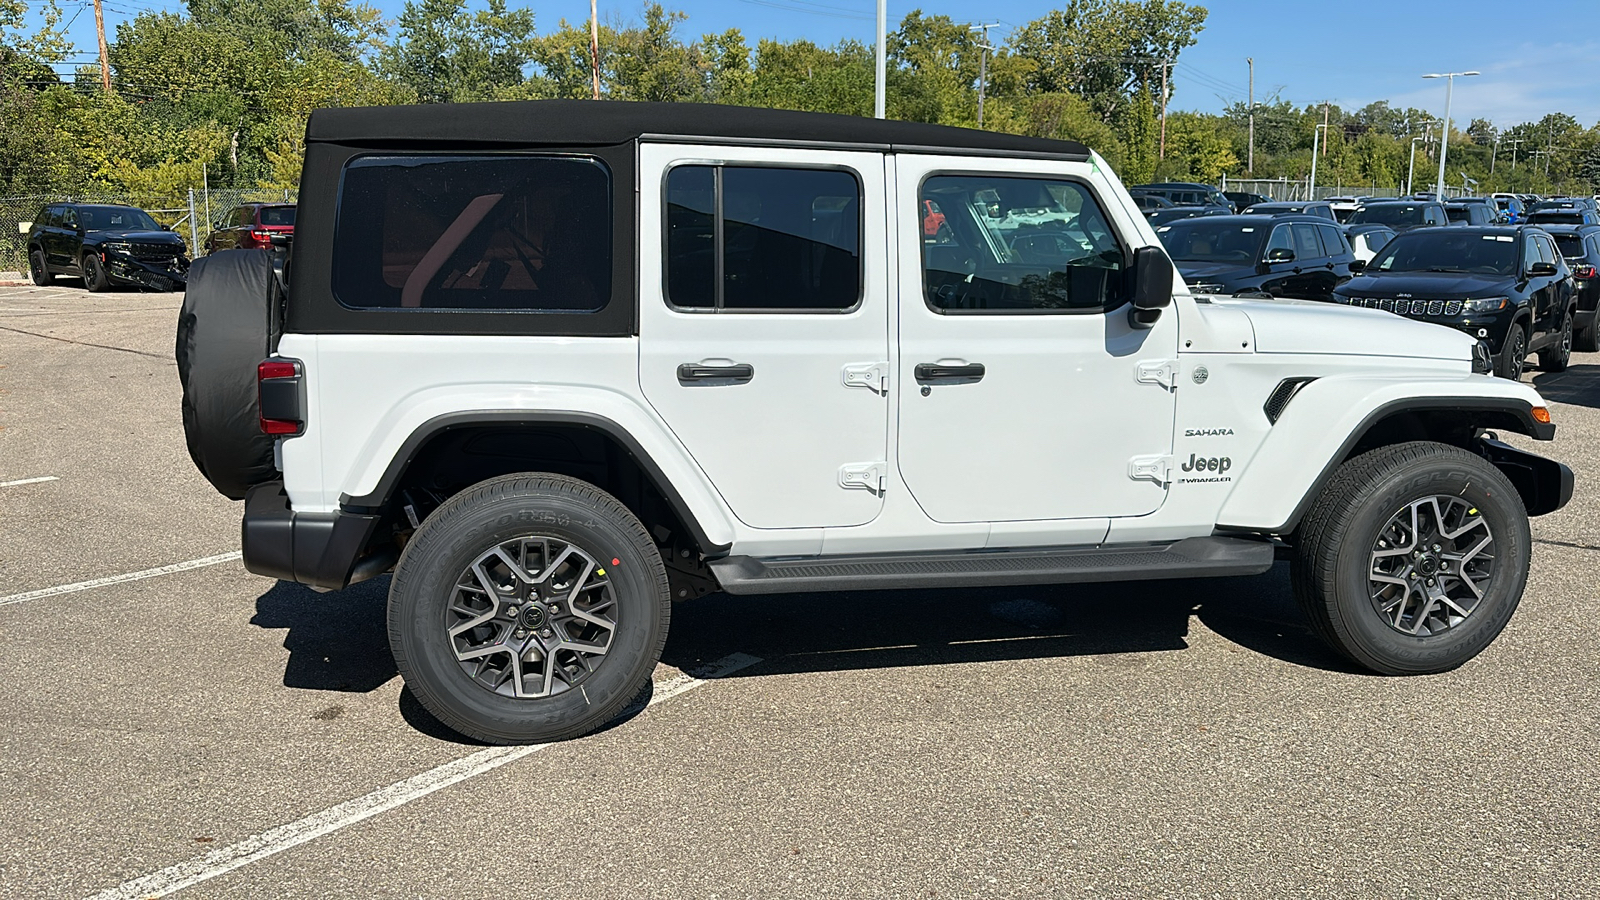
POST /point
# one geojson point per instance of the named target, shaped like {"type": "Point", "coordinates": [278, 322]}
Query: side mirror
{"type": "Point", "coordinates": [1357, 266]}
{"type": "Point", "coordinates": [1542, 268]}
{"type": "Point", "coordinates": [1280, 255]}
{"type": "Point", "coordinates": [1152, 286]}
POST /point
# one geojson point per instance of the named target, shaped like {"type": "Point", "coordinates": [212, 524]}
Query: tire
{"type": "Point", "coordinates": [1339, 548]}
{"type": "Point", "coordinates": [228, 324]}
{"type": "Point", "coordinates": [94, 274]}
{"type": "Point", "coordinates": [1586, 338]}
{"type": "Point", "coordinates": [1513, 353]}
{"type": "Point", "coordinates": [427, 597]}
{"type": "Point", "coordinates": [38, 271]}
{"type": "Point", "coordinates": [1556, 357]}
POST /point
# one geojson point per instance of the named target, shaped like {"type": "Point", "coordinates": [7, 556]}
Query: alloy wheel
{"type": "Point", "coordinates": [531, 617]}
{"type": "Point", "coordinates": [1431, 565]}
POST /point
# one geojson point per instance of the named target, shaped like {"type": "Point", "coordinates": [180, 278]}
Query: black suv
{"type": "Point", "coordinates": [1318, 208]}
{"type": "Point", "coordinates": [1185, 193]}
{"type": "Point", "coordinates": [1505, 285]}
{"type": "Point", "coordinates": [1580, 245]}
{"type": "Point", "coordinates": [1303, 257]}
{"type": "Point", "coordinates": [1401, 215]}
{"type": "Point", "coordinates": [105, 245]}
{"type": "Point", "coordinates": [1471, 214]}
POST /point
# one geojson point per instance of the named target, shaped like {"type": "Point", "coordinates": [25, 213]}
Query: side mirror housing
{"type": "Point", "coordinates": [1152, 286]}
{"type": "Point", "coordinates": [1280, 255]}
{"type": "Point", "coordinates": [1541, 269]}
{"type": "Point", "coordinates": [1357, 266]}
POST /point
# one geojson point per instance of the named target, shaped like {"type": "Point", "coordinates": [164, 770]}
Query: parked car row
{"type": "Point", "coordinates": [109, 245]}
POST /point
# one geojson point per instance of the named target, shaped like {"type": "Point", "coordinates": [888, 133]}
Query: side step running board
{"type": "Point", "coordinates": [1188, 558]}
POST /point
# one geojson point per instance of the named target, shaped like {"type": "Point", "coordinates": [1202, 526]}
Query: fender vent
{"type": "Point", "coordinates": [1278, 400]}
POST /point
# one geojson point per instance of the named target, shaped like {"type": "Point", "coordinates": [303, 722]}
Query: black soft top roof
{"type": "Point", "coordinates": [568, 123]}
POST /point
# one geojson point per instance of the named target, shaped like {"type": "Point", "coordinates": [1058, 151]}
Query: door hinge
{"type": "Point", "coordinates": [873, 476]}
{"type": "Point", "coordinates": [1150, 468]}
{"type": "Point", "coordinates": [1157, 371]}
{"type": "Point", "coordinates": [872, 376]}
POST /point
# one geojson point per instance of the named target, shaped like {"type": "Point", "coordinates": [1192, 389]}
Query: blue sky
{"type": "Point", "coordinates": [1535, 57]}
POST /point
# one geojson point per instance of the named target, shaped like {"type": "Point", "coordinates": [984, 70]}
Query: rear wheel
{"type": "Point", "coordinates": [1413, 558]}
{"type": "Point", "coordinates": [94, 274]}
{"type": "Point", "coordinates": [1556, 357]}
{"type": "Point", "coordinates": [1513, 354]}
{"type": "Point", "coordinates": [529, 608]}
{"type": "Point", "coordinates": [38, 271]}
{"type": "Point", "coordinates": [1586, 336]}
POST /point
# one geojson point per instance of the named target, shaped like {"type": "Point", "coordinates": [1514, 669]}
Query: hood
{"type": "Point", "coordinates": [1197, 271]}
{"type": "Point", "coordinates": [1428, 285]}
{"type": "Point", "coordinates": [1306, 326]}
{"type": "Point", "coordinates": [144, 237]}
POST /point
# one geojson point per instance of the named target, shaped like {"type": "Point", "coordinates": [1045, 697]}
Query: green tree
{"type": "Point", "coordinates": [445, 53]}
{"type": "Point", "coordinates": [1140, 136]}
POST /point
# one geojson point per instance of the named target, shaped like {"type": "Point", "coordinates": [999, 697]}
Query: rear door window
{"type": "Point", "coordinates": [509, 233]}
{"type": "Point", "coordinates": [1306, 245]}
{"type": "Point", "coordinates": [763, 238]}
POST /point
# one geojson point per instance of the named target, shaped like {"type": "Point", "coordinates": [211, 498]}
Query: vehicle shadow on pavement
{"type": "Point", "coordinates": [803, 633]}
{"type": "Point", "coordinates": [1577, 386]}
{"type": "Point", "coordinates": [337, 641]}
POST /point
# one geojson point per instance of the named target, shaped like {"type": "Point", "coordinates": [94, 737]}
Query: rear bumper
{"type": "Point", "coordinates": [316, 549]}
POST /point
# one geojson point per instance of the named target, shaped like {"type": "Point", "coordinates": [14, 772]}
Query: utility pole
{"type": "Point", "coordinates": [105, 60]}
{"type": "Point", "coordinates": [1251, 163]}
{"type": "Point", "coordinates": [1494, 153]}
{"type": "Point", "coordinates": [1514, 142]}
{"type": "Point", "coordinates": [1324, 127]}
{"type": "Point", "coordinates": [1165, 65]}
{"type": "Point", "coordinates": [983, 63]}
{"type": "Point", "coordinates": [594, 44]}
{"type": "Point", "coordinates": [880, 94]}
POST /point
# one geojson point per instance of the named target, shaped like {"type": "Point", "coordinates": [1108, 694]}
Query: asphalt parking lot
{"type": "Point", "coordinates": [203, 729]}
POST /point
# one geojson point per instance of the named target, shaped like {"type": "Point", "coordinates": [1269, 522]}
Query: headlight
{"type": "Point", "coordinates": [1340, 298]}
{"type": "Point", "coordinates": [1486, 305]}
{"type": "Point", "coordinates": [1207, 288]}
{"type": "Point", "coordinates": [117, 247]}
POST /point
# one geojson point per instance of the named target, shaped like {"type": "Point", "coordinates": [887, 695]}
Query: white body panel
{"type": "Point", "coordinates": [773, 446]}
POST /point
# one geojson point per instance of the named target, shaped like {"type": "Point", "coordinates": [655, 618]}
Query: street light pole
{"type": "Point", "coordinates": [1311, 189]}
{"type": "Point", "coordinates": [1444, 132]}
{"type": "Point", "coordinates": [1412, 171]}
{"type": "Point", "coordinates": [879, 100]}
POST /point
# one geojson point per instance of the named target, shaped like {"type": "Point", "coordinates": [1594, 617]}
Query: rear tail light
{"type": "Point", "coordinates": [1584, 273]}
{"type": "Point", "coordinates": [260, 235]}
{"type": "Point", "coordinates": [280, 396]}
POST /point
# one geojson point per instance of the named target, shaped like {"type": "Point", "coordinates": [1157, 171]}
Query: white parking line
{"type": "Point", "coordinates": [118, 579]}
{"type": "Point", "coordinates": [276, 840]}
{"type": "Point", "coordinates": [21, 481]}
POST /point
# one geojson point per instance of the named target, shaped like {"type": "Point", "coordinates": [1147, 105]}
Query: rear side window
{"type": "Point", "coordinates": [1305, 242]}
{"type": "Point", "coordinates": [1012, 244]}
{"type": "Point", "coordinates": [763, 238]}
{"type": "Point", "coordinates": [1334, 241]}
{"type": "Point", "coordinates": [508, 233]}
{"type": "Point", "coordinates": [1570, 244]}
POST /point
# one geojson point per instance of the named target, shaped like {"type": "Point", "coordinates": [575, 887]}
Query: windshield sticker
{"type": "Point", "coordinates": [1248, 230]}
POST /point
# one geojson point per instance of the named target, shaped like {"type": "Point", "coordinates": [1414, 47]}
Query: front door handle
{"type": "Point", "coordinates": [935, 373]}
{"type": "Point", "coordinates": [699, 373]}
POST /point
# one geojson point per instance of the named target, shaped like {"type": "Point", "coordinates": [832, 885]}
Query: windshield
{"type": "Point", "coordinates": [115, 218]}
{"type": "Point", "coordinates": [1443, 251]}
{"type": "Point", "coordinates": [1389, 214]}
{"type": "Point", "coordinates": [277, 215]}
{"type": "Point", "coordinates": [1201, 241]}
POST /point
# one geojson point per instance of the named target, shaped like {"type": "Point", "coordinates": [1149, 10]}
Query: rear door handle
{"type": "Point", "coordinates": [699, 373]}
{"type": "Point", "coordinates": [934, 373]}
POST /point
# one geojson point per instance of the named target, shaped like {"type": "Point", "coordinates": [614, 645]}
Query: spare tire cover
{"type": "Point", "coordinates": [228, 324]}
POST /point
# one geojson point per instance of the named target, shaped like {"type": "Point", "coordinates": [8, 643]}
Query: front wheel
{"type": "Point", "coordinates": [1413, 558]}
{"type": "Point", "coordinates": [94, 274]}
{"type": "Point", "coordinates": [1513, 354]}
{"type": "Point", "coordinates": [1556, 357]}
{"type": "Point", "coordinates": [528, 608]}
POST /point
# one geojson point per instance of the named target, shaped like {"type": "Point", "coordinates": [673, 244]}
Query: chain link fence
{"type": "Point", "coordinates": [193, 214]}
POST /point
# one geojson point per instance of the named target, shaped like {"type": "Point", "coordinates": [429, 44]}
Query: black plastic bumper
{"type": "Point", "coordinates": [316, 549]}
{"type": "Point", "coordinates": [1545, 485]}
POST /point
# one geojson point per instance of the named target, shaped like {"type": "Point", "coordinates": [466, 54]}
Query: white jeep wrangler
{"type": "Point", "coordinates": [558, 364]}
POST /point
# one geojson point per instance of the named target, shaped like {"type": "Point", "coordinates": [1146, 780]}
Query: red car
{"type": "Point", "coordinates": [251, 226]}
